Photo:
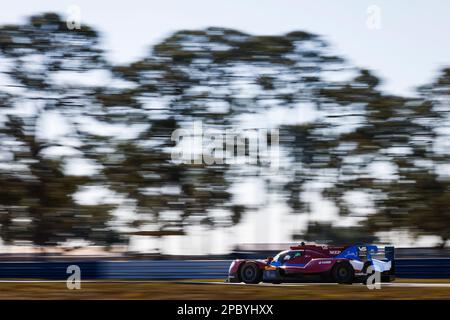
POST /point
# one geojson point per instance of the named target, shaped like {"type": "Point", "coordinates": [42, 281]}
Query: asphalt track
{"type": "Point", "coordinates": [305, 284]}
{"type": "Point", "coordinates": [313, 284]}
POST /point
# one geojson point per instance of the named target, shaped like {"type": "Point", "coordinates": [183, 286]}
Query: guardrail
{"type": "Point", "coordinates": [145, 269]}
{"type": "Point", "coordinates": [181, 269]}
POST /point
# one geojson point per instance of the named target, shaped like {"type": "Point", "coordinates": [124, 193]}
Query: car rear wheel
{"type": "Point", "coordinates": [343, 273]}
{"type": "Point", "coordinates": [251, 273]}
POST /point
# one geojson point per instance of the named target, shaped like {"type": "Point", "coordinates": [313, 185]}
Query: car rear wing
{"type": "Point", "coordinates": [389, 253]}
{"type": "Point", "coordinates": [369, 252]}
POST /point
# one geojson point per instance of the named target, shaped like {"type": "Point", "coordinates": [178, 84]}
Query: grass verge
{"type": "Point", "coordinates": [188, 290]}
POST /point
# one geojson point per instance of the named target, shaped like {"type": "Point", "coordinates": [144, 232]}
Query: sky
{"type": "Point", "coordinates": [405, 45]}
{"type": "Point", "coordinates": [404, 42]}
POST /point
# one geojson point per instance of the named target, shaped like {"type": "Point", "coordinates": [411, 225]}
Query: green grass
{"type": "Point", "coordinates": [186, 290]}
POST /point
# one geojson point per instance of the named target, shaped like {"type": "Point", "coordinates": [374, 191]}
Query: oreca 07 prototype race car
{"type": "Point", "coordinates": [341, 264]}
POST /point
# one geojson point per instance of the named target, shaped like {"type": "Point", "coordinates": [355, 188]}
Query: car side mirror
{"type": "Point", "coordinates": [269, 259]}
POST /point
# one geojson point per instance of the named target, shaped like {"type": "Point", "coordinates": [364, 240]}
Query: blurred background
{"type": "Point", "coordinates": [90, 95]}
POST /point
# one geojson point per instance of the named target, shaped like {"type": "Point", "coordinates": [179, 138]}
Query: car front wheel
{"type": "Point", "coordinates": [251, 273]}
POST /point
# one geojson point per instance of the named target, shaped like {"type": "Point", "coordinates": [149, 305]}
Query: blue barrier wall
{"type": "Point", "coordinates": [182, 269]}
{"type": "Point", "coordinates": [423, 268]}
{"type": "Point", "coordinates": [141, 269]}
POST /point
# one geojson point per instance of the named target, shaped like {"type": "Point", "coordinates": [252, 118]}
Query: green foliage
{"type": "Point", "coordinates": [216, 76]}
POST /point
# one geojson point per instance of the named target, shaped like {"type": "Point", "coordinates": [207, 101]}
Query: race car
{"type": "Point", "coordinates": [340, 264]}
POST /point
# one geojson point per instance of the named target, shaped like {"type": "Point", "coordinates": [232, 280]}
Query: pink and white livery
{"type": "Point", "coordinates": [341, 264]}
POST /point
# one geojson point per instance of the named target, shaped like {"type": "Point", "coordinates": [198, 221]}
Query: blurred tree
{"type": "Point", "coordinates": [228, 80]}
{"type": "Point", "coordinates": [217, 76]}
{"type": "Point", "coordinates": [327, 233]}
{"type": "Point", "coordinates": [419, 196]}
{"type": "Point", "coordinates": [393, 157]}
{"type": "Point", "coordinates": [36, 201]}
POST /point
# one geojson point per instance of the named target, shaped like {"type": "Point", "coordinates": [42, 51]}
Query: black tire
{"type": "Point", "coordinates": [250, 273]}
{"type": "Point", "coordinates": [343, 273]}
